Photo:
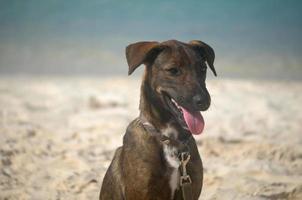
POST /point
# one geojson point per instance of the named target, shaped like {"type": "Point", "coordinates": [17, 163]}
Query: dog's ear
{"type": "Point", "coordinates": [141, 53]}
{"type": "Point", "coordinates": [205, 50]}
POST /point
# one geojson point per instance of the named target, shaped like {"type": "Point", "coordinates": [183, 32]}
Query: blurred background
{"type": "Point", "coordinates": [252, 39]}
{"type": "Point", "coordinates": [66, 100]}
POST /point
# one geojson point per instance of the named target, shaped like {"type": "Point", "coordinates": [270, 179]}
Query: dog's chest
{"type": "Point", "coordinates": [173, 162]}
{"type": "Point", "coordinates": [170, 154]}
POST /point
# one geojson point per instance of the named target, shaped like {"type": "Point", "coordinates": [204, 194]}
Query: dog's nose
{"type": "Point", "coordinates": [201, 102]}
{"type": "Point", "coordinates": [198, 100]}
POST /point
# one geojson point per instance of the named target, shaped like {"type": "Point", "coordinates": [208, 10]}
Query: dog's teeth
{"type": "Point", "coordinates": [175, 102]}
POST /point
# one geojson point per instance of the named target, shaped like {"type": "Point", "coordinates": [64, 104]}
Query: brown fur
{"type": "Point", "coordinates": [139, 169]}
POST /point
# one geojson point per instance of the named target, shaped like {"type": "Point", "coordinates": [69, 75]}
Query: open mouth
{"type": "Point", "coordinates": [190, 120]}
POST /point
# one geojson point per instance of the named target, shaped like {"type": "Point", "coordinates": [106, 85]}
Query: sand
{"type": "Point", "coordinates": [58, 136]}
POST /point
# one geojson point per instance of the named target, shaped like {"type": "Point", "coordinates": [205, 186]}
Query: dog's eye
{"type": "Point", "coordinates": [173, 71]}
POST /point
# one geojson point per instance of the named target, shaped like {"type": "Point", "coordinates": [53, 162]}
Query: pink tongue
{"type": "Point", "coordinates": [194, 121]}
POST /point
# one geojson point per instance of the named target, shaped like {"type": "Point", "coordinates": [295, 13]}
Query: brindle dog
{"type": "Point", "coordinates": [173, 93]}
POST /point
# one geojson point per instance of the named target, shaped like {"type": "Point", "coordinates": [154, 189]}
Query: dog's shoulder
{"type": "Point", "coordinates": [136, 133]}
{"type": "Point", "coordinates": [140, 143]}
{"type": "Point", "coordinates": [135, 126]}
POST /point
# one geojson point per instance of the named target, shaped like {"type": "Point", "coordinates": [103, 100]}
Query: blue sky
{"type": "Point", "coordinates": [251, 38]}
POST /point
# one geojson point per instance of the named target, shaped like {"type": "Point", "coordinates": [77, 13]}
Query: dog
{"type": "Point", "coordinates": [159, 158]}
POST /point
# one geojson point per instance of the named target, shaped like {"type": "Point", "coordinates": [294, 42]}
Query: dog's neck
{"type": "Point", "coordinates": [151, 108]}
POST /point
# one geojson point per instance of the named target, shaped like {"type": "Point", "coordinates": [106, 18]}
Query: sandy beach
{"type": "Point", "coordinates": [58, 136]}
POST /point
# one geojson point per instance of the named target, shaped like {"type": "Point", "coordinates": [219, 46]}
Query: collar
{"type": "Point", "coordinates": [181, 140]}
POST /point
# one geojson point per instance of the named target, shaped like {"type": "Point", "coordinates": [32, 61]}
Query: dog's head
{"type": "Point", "coordinates": [176, 73]}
